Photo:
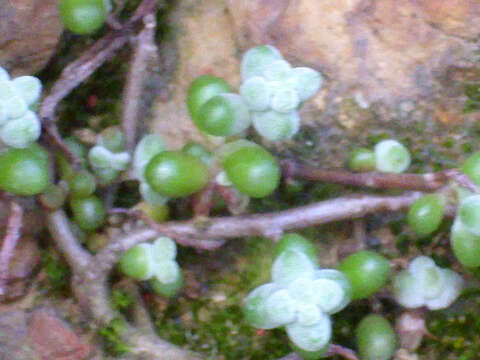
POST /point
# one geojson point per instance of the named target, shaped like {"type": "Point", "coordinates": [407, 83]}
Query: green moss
{"type": "Point", "coordinates": [58, 272]}
{"type": "Point", "coordinates": [472, 91]}
{"type": "Point", "coordinates": [112, 337]}
{"type": "Point", "coordinates": [120, 300]}
{"type": "Point", "coordinates": [456, 329]}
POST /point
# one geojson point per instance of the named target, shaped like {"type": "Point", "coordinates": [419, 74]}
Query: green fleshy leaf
{"type": "Point", "coordinates": [21, 132]}
{"type": "Point", "coordinates": [146, 149]}
{"type": "Point", "coordinates": [137, 262]}
{"type": "Point", "coordinates": [29, 87]}
{"type": "Point", "coordinates": [311, 338]}
{"type": "Point", "coordinates": [105, 176]}
{"type": "Point", "coordinates": [291, 265]}
{"type": "Point", "coordinates": [167, 290]}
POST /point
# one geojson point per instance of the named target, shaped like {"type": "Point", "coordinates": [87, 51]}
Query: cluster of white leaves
{"type": "Point", "coordinates": [300, 297]}
{"type": "Point", "coordinates": [146, 149]}
{"type": "Point", "coordinates": [274, 91]}
{"type": "Point", "coordinates": [19, 125]}
{"type": "Point", "coordinates": [425, 284]}
{"type": "Point", "coordinates": [106, 159]}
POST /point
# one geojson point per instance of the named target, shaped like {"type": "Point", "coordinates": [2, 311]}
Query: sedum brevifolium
{"type": "Point", "coordinates": [300, 297]}
{"type": "Point", "coordinates": [154, 262]}
{"type": "Point", "coordinates": [269, 97]}
{"type": "Point", "coordinates": [425, 284]}
{"type": "Point", "coordinates": [388, 156]}
{"type": "Point", "coordinates": [108, 157]}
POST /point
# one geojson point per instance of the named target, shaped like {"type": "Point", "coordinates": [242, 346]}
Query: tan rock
{"type": "Point", "coordinates": [29, 33]}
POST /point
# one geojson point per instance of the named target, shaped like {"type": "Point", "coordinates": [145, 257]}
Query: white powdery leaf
{"type": "Point", "coordinates": [450, 292]}
{"type": "Point", "coordinates": [29, 87]}
{"type": "Point", "coordinates": [291, 265]}
{"type": "Point", "coordinates": [391, 157]}
{"type": "Point", "coordinates": [278, 70]}
{"type": "Point", "coordinates": [307, 313]}
{"type": "Point", "coordinates": [257, 93]}
{"type": "Point", "coordinates": [120, 161]}
{"type": "Point", "coordinates": [255, 309]}
{"type": "Point", "coordinates": [302, 289]}
{"type": "Point", "coordinates": [257, 59]}
{"type": "Point", "coordinates": [306, 82]}
{"type": "Point", "coordinates": [329, 295]}
{"type": "Point", "coordinates": [284, 100]}
{"type": "Point", "coordinates": [276, 126]}
{"type": "Point", "coordinates": [164, 248]}
{"type": "Point", "coordinates": [12, 100]}
{"type": "Point", "coordinates": [281, 307]}
{"type": "Point", "coordinates": [341, 280]}
{"type": "Point", "coordinates": [429, 276]}
{"type": "Point", "coordinates": [4, 76]}
{"type": "Point", "coordinates": [420, 263]}
{"type": "Point", "coordinates": [146, 149]}
{"type": "Point", "coordinates": [100, 157]}
{"type": "Point", "coordinates": [166, 272]}
{"type": "Point", "coordinates": [151, 196]}
{"type": "Point", "coordinates": [311, 337]}
{"type": "Point", "coordinates": [222, 179]}
{"type": "Point", "coordinates": [21, 132]}
{"type": "Point", "coordinates": [3, 114]}
{"type": "Point", "coordinates": [407, 290]}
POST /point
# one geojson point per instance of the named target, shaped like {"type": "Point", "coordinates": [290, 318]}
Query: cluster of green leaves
{"type": "Point", "coordinates": [154, 262]}
{"type": "Point", "coordinates": [388, 156]}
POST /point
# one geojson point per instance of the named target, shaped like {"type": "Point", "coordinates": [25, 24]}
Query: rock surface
{"type": "Point", "coordinates": [29, 33]}
{"type": "Point", "coordinates": [388, 50]}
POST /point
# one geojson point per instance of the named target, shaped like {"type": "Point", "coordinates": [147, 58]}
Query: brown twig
{"type": "Point", "coordinates": [202, 201]}
{"type": "Point", "coordinates": [344, 352]}
{"type": "Point", "coordinates": [376, 180]}
{"type": "Point", "coordinates": [10, 241]}
{"type": "Point", "coordinates": [333, 350]}
{"type": "Point", "coordinates": [144, 51]}
{"type": "Point", "coordinates": [60, 229]}
{"type": "Point", "coordinates": [192, 233]}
